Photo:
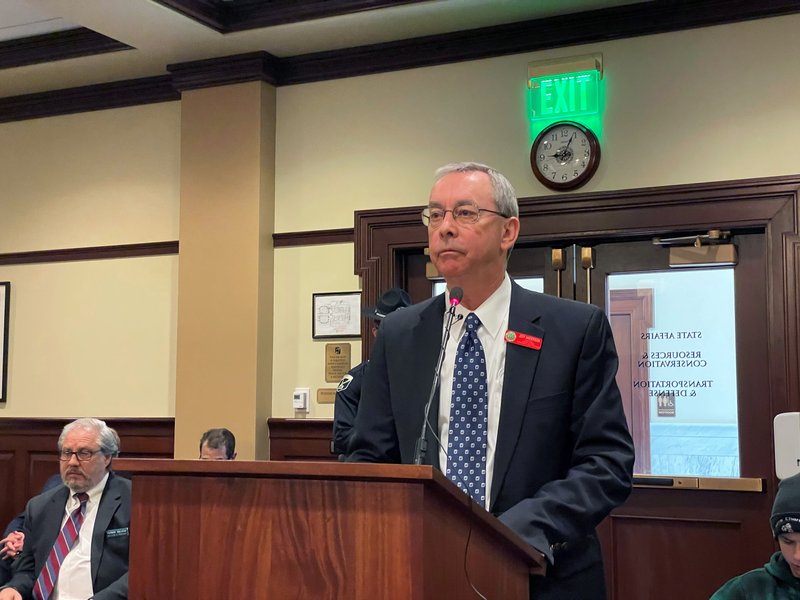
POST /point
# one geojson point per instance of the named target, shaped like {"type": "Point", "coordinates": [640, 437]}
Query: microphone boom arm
{"type": "Point", "coordinates": [421, 448]}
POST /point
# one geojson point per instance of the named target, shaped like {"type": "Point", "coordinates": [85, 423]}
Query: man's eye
{"type": "Point", "coordinates": [437, 215]}
{"type": "Point", "coordinates": [464, 211]}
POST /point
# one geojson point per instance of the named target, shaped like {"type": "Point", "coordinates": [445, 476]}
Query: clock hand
{"type": "Point", "coordinates": [570, 139]}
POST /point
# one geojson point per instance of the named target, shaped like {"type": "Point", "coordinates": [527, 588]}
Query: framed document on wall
{"type": "Point", "coordinates": [5, 302]}
{"type": "Point", "coordinates": [336, 315]}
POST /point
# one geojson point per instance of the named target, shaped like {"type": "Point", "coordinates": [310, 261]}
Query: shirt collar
{"type": "Point", "coordinates": [94, 494]}
{"type": "Point", "coordinates": [492, 312]}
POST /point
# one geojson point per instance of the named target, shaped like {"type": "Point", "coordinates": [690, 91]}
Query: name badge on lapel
{"type": "Point", "coordinates": [523, 339]}
{"type": "Point", "coordinates": [112, 533]}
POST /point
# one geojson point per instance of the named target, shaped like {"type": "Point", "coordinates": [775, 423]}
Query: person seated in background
{"type": "Point", "coordinates": [76, 544]}
{"type": "Point", "coordinates": [348, 393]}
{"type": "Point", "coordinates": [218, 444]}
{"type": "Point", "coordinates": [779, 579]}
{"type": "Point", "coordinates": [14, 535]}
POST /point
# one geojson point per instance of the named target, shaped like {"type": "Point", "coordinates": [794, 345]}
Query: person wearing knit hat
{"type": "Point", "coordinates": [779, 579]}
{"type": "Point", "coordinates": [348, 393]}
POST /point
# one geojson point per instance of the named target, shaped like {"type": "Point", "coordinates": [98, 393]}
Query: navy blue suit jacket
{"type": "Point", "coordinates": [43, 517]}
{"type": "Point", "coordinates": [564, 456]}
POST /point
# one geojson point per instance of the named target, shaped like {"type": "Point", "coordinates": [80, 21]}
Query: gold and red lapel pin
{"type": "Point", "coordinates": [523, 339]}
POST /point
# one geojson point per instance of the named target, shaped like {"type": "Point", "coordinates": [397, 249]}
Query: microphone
{"type": "Point", "coordinates": [456, 294]}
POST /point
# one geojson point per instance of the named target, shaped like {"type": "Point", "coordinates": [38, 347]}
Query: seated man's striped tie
{"type": "Point", "coordinates": [64, 543]}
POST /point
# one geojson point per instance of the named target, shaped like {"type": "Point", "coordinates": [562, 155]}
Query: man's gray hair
{"type": "Point", "coordinates": [109, 440]}
{"type": "Point", "coordinates": [504, 195]}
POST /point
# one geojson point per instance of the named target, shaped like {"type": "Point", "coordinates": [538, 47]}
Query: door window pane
{"type": "Point", "coordinates": [675, 335]}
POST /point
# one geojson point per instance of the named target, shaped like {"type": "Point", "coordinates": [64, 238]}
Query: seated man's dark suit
{"type": "Point", "coordinates": [18, 524]}
{"type": "Point", "coordinates": [564, 456]}
{"type": "Point", "coordinates": [43, 517]}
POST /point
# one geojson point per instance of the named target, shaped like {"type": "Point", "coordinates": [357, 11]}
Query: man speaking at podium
{"type": "Point", "coordinates": [527, 412]}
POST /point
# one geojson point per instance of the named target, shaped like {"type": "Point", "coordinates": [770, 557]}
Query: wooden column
{"type": "Point", "coordinates": [225, 281]}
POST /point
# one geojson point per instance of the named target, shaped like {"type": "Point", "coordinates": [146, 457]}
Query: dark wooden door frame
{"type": "Point", "coordinates": [768, 204]}
{"type": "Point", "coordinates": [635, 307]}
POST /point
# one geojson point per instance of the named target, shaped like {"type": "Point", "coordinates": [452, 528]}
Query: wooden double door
{"type": "Point", "coordinates": [679, 535]}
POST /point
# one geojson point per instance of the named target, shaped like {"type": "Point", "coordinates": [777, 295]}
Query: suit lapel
{"type": "Point", "coordinates": [428, 332]}
{"type": "Point", "coordinates": [109, 503]}
{"type": "Point", "coordinates": [520, 367]}
{"type": "Point", "coordinates": [51, 517]}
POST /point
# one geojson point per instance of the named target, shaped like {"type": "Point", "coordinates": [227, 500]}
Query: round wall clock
{"type": "Point", "coordinates": [565, 155]}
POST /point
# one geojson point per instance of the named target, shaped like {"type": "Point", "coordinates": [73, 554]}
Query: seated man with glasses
{"type": "Point", "coordinates": [76, 543]}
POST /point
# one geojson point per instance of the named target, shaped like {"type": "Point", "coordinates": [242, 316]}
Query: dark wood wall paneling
{"type": "Point", "coordinates": [644, 18]}
{"type": "Point", "coordinates": [300, 439]}
{"type": "Point", "coordinates": [28, 453]}
{"type": "Point", "coordinates": [28, 449]}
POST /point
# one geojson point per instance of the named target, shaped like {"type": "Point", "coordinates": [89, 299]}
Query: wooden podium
{"type": "Point", "coordinates": [280, 530]}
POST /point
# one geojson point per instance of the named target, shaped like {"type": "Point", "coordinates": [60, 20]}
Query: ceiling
{"type": "Point", "coordinates": [51, 45]}
{"type": "Point", "coordinates": [160, 35]}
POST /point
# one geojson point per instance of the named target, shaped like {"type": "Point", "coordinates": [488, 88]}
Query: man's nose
{"type": "Point", "coordinates": [796, 553]}
{"type": "Point", "coordinates": [448, 226]}
{"type": "Point", "coordinates": [73, 457]}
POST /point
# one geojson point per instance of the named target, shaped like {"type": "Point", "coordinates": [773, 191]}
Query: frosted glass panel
{"type": "Point", "coordinates": [675, 334]}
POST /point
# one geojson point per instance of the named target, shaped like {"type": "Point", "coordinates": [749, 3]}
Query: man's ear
{"type": "Point", "coordinates": [510, 233]}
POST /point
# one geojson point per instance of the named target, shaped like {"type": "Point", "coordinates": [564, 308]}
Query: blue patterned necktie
{"type": "Point", "coordinates": [469, 412]}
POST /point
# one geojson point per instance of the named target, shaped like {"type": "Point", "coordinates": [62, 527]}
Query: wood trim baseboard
{"type": "Point", "coordinates": [91, 253]}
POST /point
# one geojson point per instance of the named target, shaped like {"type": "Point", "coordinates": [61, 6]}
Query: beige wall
{"type": "Point", "coordinates": [91, 179]}
{"type": "Point", "coordinates": [701, 105]}
{"type": "Point", "coordinates": [91, 337]}
{"type": "Point", "coordinates": [299, 361]}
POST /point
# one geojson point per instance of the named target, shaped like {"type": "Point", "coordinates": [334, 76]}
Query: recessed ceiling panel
{"type": "Point", "coordinates": [18, 19]}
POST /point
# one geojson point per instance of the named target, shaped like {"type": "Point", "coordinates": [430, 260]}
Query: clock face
{"type": "Point", "coordinates": [565, 155]}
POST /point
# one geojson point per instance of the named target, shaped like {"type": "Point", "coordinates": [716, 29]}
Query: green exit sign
{"type": "Point", "coordinates": [564, 95]}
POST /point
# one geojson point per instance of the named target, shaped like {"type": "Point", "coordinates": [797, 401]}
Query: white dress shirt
{"type": "Point", "coordinates": [74, 580]}
{"type": "Point", "coordinates": [493, 314]}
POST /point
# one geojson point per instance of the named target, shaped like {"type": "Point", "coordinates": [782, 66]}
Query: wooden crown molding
{"type": "Point", "coordinates": [227, 17]}
{"type": "Point", "coordinates": [252, 66]}
{"type": "Point", "coordinates": [619, 22]}
{"type": "Point", "coordinates": [118, 94]}
{"type": "Point", "coordinates": [769, 204]}
{"type": "Point", "coordinates": [644, 18]}
{"type": "Point", "coordinates": [59, 45]}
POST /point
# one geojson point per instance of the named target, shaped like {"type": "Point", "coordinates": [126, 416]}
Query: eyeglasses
{"type": "Point", "coordinates": [464, 214]}
{"type": "Point", "coordinates": [82, 455]}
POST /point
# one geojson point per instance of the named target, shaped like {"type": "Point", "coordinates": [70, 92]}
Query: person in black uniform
{"type": "Point", "coordinates": [348, 392]}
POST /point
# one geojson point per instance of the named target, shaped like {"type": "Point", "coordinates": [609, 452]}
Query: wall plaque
{"type": "Point", "coordinates": [337, 362]}
{"type": "Point", "coordinates": [326, 395]}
